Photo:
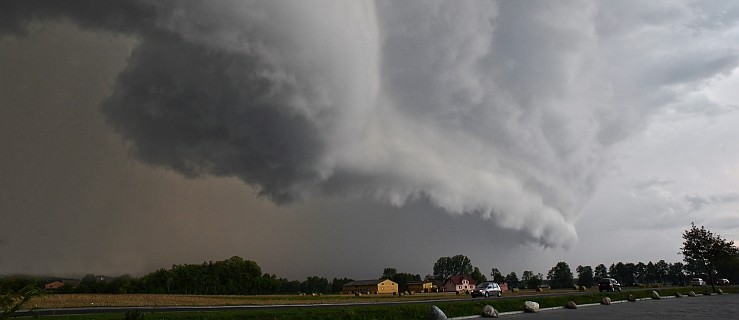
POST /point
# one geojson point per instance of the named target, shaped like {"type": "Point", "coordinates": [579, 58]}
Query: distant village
{"type": "Point", "coordinates": [460, 283]}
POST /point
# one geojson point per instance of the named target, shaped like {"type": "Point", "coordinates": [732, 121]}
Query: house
{"type": "Point", "coordinates": [459, 283]}
{"type": "Point", "coordinates": [420, 286]}
{"type": "Point", "coordinates": [56, 285]}
{"type": "Point", "coordinates": [53, 285]}
{"type": "Point", "coordinates": [371, 286]}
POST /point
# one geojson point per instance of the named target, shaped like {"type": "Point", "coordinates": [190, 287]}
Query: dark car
{"type": "Point", "coordinates": [486, 289]}
{"type": "Point", "coordinates": [608, 284]}
{"type": "Point", "coordinates": [722, 282]}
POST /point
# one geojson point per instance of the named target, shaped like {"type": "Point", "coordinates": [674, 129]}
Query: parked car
{"type": "Point", "coordinates": [486, 289]}
{"type": "Point", "coordinates": [697, 282]}
{"type": "Point", "coordinates": [608, 284]}
{"type": "Point", "coordinates": [722, 282]}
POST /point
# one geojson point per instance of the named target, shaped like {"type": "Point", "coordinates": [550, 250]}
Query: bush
{"type": "Point", "coordinates": [11, 301]}
{"type": "Point", "coordinates": [133, 315]}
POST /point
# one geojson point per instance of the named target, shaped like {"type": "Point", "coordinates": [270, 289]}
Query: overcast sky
{"type": "Point", "coordinates": [338, 138]}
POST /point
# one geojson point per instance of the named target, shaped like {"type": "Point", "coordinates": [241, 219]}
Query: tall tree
{"type": "Point", "coordinates": [526, 276]}
{"type": "Point", "coordinates": [661, 269]}
{"type": "Point", "coordinates": [677, 273]}
{"type": "Point", "coordinates": [585, 276]}
{"type": "Point", "coordinates": [560, 276]}
{"type": "Point", "coordinates": [703, 250]}
{"type": "Point", "coordinates": [478, 276]}
{"type": "Point", "coordinates": [531, 280]}
{"type": "Point", "coordinates": [640, 272]}
{"type": "Point", "coordinates": [512, 280]}
{"type": "Point", "coordinates": [446, 267]}
{"type": "Point", "coordinates": [315, 284]}
{"type": "Point", "coordinates": [601, 272]}
{"type": "Point", "coordinates": [389, 273]}
{"type": "Point", "coordinates": [497, 275]}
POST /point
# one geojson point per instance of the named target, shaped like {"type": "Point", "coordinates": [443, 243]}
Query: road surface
{"type": "Point", "coordinates": [724, 306]}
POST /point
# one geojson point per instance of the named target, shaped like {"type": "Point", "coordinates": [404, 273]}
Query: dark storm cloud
{"type": "Point", "coordinates": [117, 16]}
{"type": "Point", "coordinates": [503, 109]}
{"type": "Point", "coordinates": [201, 111]}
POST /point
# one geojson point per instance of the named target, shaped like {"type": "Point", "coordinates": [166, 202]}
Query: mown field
{"type": "Point", "coordinates": [379, 312]}
{"type": "Point", "coordinates": [163, 300]}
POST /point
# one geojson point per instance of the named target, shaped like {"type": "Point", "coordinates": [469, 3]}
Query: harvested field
{"type": "Point", "coordinates": [162, 300]}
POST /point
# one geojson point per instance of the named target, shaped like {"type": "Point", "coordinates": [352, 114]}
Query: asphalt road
{"type": "Point", "coordinates": [724, 306]}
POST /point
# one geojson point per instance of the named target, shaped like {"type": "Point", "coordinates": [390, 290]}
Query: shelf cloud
{"type": "Point", "coordinates": [506, 110]}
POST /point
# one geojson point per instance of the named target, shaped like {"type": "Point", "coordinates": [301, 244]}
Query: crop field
{"type": "Point", "coordinates": [163, 300]}
{"type": "Point", "coordinates": [458, 305]}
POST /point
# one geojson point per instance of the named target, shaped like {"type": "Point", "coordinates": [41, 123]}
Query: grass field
{"type": "Point", "coordinates": [403, 311]}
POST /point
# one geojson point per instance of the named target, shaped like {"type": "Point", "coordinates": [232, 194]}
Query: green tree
{"type": "Point", "coordinates": [585, 276]}
{"type": "Point", "coordinates": [315, 284]}
{"type": "Point", "coordinates": [497, 275]}
{"type": "Point", "coordinates": [703, 250]}
{"type": "Point", "coordinates": [512, 280]}
{"type": "Point", "coordinates": [446, 267]}
{"type": "Point", "coordinates": [676, 274]}
{"type": "Point", "coordinates": [661, 269]}
{"type": "Point", "coordinates": [527, 275]}
{"type": "Point", "coordinates": [560, 276]}
{"type": "Point", "coordinates": [389, 273]}
{"type": "Point", "coordinates": [337, 285]}
{"type": "Point", "coordinates": [478, 276]}
{"type": "Point", "coordinates": [601, 272]}
{"type": "Point", "coordinates": [531, 280]}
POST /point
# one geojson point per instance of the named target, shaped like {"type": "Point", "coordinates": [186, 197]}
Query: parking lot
{"type": "Point", "coordinates": [724, 306]}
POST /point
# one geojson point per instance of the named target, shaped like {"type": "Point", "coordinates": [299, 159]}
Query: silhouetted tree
{"type": "Point", "coordinates": [478, 276]}
{"type": "Point", "coordinates": [585, 276]}
{"type": "Point", "coordinates": [512, 280]}
{"type": "Point", "coordinates": [497, 275]}
{"type": "Point", "coordinates": [531, 280]}
{"type": "Point", "coordinates": [560, 276]}
{"type": "Point", "coordinates": [601, 272]}
{"type": "Point", "coordinates": [389, 273]}
{"type": "Point", "coordinates": [337, 285]}
{"type": "Point", "coordinates": [315, 284]}
{"type": "Point", "coordinates": [703, 250]}
{"type": "Point", "coordinates": [446, 267]}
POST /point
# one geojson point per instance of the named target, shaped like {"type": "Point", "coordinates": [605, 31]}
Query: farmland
{"type": "Point", "coordinates": [371, 307]}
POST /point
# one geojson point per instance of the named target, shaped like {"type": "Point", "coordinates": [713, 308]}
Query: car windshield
{"type": "Point", "coordinates": [483, 285]}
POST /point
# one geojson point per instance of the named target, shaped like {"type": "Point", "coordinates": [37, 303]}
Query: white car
{"type": "Point", "coordinates": [697, 282]}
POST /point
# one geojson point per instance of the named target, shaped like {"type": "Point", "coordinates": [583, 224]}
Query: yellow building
{"type": "Point", "coordinates": [420, 286]}
{"type": "Point", "coordinates": [371, 286]}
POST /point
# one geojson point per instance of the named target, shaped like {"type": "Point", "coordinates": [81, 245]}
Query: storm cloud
{"type": "Point", "coordinates": [507, 110]}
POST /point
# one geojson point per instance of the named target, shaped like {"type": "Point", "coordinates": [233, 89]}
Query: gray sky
{"type": "Point", "coordinates": [338, 138]}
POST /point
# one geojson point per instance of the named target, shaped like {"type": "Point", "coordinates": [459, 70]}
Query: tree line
{"type": "Point", "coordinates": [705, 254]}
{"type": "Point", "coordinates": [233, 276]}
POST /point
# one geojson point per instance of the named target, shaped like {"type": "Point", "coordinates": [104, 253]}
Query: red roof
{"type": "Point", "coordinates": [457, 280]}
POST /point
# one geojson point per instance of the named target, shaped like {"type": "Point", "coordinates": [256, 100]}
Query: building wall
{"type": "Point", "coordinates": [421, 287]}
{"type": "Point", "coordinates": [362, 289]}
{"type": "Point", "coordinates": [465, 286]}
{"type": "Point", "coordinates": [387, 286]}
